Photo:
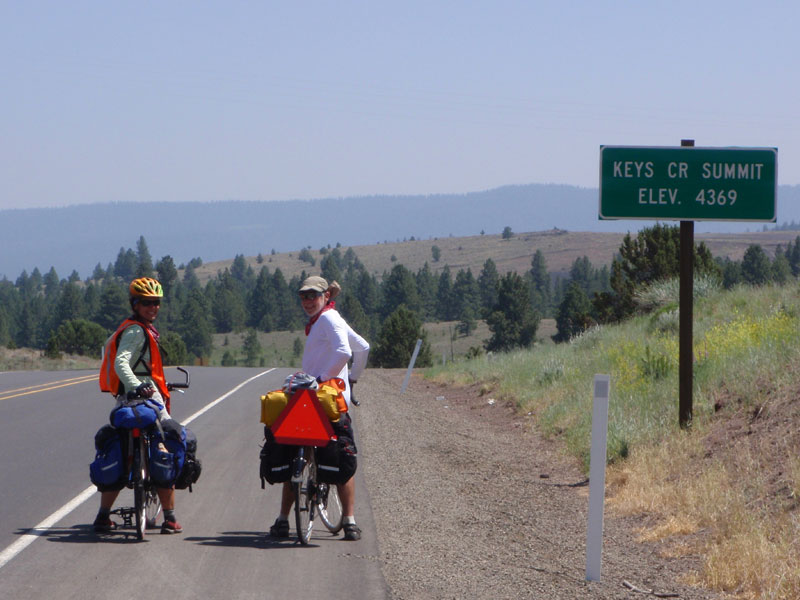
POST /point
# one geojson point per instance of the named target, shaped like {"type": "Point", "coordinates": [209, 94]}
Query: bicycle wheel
{"type": "Point", "coordinates": [139, 508]}
{"type": "Point", "coordinates": [330, 507]}
{"type": "Point", "coordinates": [139, 493]}
{"type": "Point", "coordinates": [304, 504]}
{"type": "Point", "coordinates": [152, 508]}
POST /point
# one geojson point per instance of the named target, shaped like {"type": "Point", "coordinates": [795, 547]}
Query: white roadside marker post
{"type": "Point", "coordinates": [597, 478]}
{"type": "Point", "coordinates": [410, 366]}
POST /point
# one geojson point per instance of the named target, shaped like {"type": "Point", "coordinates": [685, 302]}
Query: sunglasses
{"type": "Point", "coordinates": [310, 295]}
{"type": "Point", "coordinates": [150, 302]}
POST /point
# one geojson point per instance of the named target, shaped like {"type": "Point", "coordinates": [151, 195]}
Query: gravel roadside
{"type": "Point", "coordinates": [471, 502]}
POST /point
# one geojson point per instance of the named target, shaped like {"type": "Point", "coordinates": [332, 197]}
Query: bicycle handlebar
{"type": "Point", "coordinates": [184, 385]}
{"type": "Point", "coordinates": [133, 394]}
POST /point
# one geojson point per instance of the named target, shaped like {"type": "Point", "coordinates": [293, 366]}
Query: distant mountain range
{"type": "Point", "coordinates": [79, 237]}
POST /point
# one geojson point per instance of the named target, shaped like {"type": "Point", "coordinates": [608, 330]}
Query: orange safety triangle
{"type": "Point", "coordinates": [303, 422]}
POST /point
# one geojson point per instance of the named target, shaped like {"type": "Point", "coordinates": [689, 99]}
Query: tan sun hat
{"type": "Point", "coordinates": [320, 284]}
{"type": "Point", "coordinates": [315, 283]}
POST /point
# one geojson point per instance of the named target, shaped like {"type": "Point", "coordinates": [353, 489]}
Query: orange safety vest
{"type": "Point", "coordinates": [109, 380]}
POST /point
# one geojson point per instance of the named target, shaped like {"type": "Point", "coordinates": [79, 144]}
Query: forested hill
{"type": "Point", "coordinates": [80, 237]}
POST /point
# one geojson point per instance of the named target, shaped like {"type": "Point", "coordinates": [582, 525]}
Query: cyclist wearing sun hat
{"type": "Point", "coordinates": [330, 343]}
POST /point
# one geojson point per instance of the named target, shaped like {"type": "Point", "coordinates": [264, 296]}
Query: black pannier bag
{"type": "Point", "coordinates": [276, 460]}
{"type": "Point", "coordinates": [337, 462]}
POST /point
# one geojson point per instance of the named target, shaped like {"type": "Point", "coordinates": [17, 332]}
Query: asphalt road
{"type": "Point", "coordinates": [47, 425]}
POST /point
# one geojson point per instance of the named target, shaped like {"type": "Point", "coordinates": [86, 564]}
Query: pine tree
{"type": "Point", "coordinates": [756, 267]}
{"type": "Point", "coordinates": [194, 325]}
{"type": "Point", "coordinates": [541, 293]}
{"type": "Point", "coordinates": [466, 298]}
{"type": "Point", "coordinates": [261, 303]}
{"type": "Point", "coordinates": [427, 286]}
{"type": "Point", "coordinates": [144, 262]}
{"type": "Point", "coordinates": [444, 296]}
{"type": "Point", "coordinates": [400, 288]}
{"type": "Point", "coordinates": [252, 348]}
{"type": "Point", "coordinates": [397, 339]}
{"type": "Point", "coordinates": [487, 285]}
{"type": "Point", "coordinates": [513, 322]}
{"type": "Point", "coordinates": [113, 307]}
{"type": "Point", "coordinates": [167, 274]}
{"type": "Point", "coordinates": [573, 313]}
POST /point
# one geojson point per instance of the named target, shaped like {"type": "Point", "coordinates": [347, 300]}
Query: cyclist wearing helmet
{"type": "Point", "coordinates": [330, 344]}
{"type": "Point", "coordinates": [139, 367]}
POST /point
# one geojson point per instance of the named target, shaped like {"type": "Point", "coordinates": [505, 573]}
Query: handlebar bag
{"type": "Point", "coordinates": [128, 416]}
{"type": "Point", "coordinates": [107, 471]}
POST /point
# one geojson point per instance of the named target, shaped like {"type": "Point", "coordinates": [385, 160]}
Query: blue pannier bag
{"type": "Point", "coordinates": [129, 416]}
{"type": "Point", "coordinates": [107, 471]}
{"type": "Point", "coordinates": [192, 467]}
{"type": "Point", "coordinates": [167, 453]}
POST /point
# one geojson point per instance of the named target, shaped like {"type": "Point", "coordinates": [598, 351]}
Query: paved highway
{"type": "Point", "coordinates": [47, 546]}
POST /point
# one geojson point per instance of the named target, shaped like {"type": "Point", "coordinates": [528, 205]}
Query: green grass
{"type": "Point", "coordinates": [742, 338]}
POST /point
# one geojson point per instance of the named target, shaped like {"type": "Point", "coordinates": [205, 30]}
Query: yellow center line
{"type": "Point", "coordinates": [38, 385]}
{"type": "Point", "coordinates": [45, 387]}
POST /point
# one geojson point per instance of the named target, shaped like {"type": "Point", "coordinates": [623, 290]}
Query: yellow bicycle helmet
{"type": "Point", "coordinates": [146, 287]}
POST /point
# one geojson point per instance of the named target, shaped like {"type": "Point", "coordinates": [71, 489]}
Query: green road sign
{"type": "Point", "coordinates": [688, 183]}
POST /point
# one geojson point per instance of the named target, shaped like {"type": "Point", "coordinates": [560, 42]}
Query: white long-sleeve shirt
{"type": "Point", "coordinates": [329, 345]}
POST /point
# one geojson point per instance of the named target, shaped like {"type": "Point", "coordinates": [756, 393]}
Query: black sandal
{"type": "Point", "coordinates": [280, 529]}
{"type": "Point", "coordinates": [352, 532]}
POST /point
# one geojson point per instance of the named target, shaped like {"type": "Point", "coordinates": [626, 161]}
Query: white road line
{"type": "Point", "coordinates": [27, 539]}
{"type": "Point", "coordinates": [221, 398]}
{"type": "Point", "coordinates": [42, 528]}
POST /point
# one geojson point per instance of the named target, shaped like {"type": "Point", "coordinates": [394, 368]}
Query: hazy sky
{"type": "Point", "coordinates": [176, 101]}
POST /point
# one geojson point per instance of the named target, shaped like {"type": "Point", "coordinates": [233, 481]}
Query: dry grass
{"type": "Point", "coordinates": [27, 359]}
{"type": "Point", "coordinates": [701, 505]}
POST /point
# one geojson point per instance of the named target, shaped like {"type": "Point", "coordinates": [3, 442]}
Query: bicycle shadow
{"type": "Point", "coordinates": [81, 534]}
{"type": "Point", "coordinates": [252, 539]}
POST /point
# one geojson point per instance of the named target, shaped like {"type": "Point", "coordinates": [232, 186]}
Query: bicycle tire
{"type": "Point", "coordinates": [139, 492]}
{"type": "Point", "coordinates": [330, 507]}
{"type": "Point", "coordinates": [152, 508]}
{"type": "Point", "coordinates": [304, 503]}
{"type": "Point", "coordinates": [139, 508]}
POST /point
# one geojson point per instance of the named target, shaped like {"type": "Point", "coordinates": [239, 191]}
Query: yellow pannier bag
{"type": "Point", "coordinates": [272, 405]}
{"type": "Point", "coordinates": [327, 396]}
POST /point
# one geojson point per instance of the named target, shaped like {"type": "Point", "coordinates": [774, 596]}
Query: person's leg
{"type": "Point", "coordinates": [103, 522]}
{"type": "Point", "coordinates": [281, 526]}
{"type": "Point", "coordinates": [347, 494]}
{"type": "Point", "coordinates": [107, 499]}
{"type": "Point", "coordinates": [167, 497]}
{"type": "Point", "coordinates": [287, 499]}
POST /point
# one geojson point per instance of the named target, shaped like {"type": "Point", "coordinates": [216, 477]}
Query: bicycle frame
{"type": "Point", "coordinates": [146, 506]}
{"type": "Point", "coordinates": [146, 503]}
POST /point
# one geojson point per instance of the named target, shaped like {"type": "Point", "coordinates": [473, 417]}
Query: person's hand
{"type": "Point", "coordinates": [352, 382]}
{"type": "Point", "coordinates": [145, 390]}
